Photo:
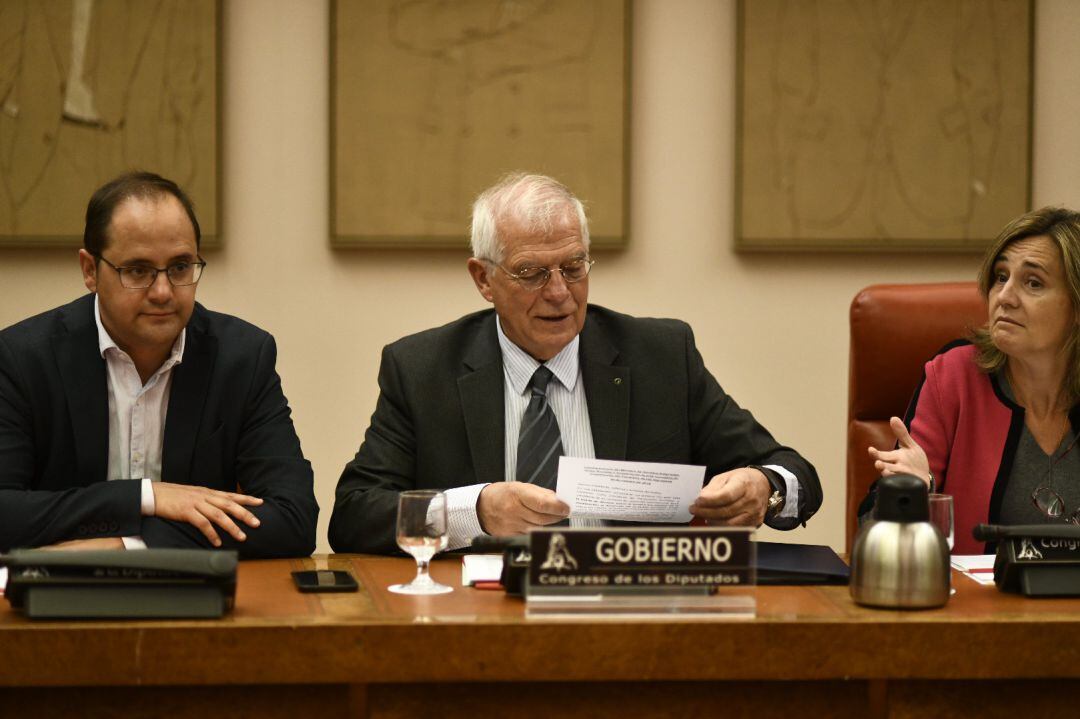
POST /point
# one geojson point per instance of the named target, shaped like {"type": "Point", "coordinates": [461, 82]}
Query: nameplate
{"type": "Point", "coordinates": [1046, 549]}
{"type": "Point", "coordinates": [641, 558]}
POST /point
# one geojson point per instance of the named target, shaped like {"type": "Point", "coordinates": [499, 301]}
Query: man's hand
{"type": "Point", "coordinates": [508, 508]}
{"type": "Point", "coordinates": [88, 544]}
{"type": "Point", "coordinates": [738, 498]}
{"type": "Point", "coordinates": [203, 508]}
{"type": "Point", "coordinates": [908, 458]}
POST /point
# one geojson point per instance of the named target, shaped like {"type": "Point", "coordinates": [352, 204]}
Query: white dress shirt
{"type": "Point", "coordinates": [136, 416]}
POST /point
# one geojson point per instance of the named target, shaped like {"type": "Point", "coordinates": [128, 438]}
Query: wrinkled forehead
{"type": "Point", "coordinates": [536, 219]}
{"type": "Point", "coordinates": [560, 235]}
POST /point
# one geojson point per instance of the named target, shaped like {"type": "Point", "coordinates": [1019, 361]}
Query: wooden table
{"type": "Point", "coordinates": [810, 652]}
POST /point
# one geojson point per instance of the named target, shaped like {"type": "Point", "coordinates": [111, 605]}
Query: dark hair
{"type": "Point", "coordinates": [1062, 227]}
{"type": "Point", "coordinates": [143, 185]}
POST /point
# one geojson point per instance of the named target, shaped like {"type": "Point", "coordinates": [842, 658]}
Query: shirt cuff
{"type": "Point", "coordinates": [134, 542]}
{"type": "Point", "coordinates": [790, 510]}
{"type": "Point", "coordinates": [147, 503]}
{"type": "Point", "coordinates": [462, 522]}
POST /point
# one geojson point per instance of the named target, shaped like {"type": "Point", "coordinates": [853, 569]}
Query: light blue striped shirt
{"type": "Point", "coordinates": [567, 400]}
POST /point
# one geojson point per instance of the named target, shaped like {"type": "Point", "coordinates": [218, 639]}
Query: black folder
{"type": "Point", "coordinates": [779, 563]}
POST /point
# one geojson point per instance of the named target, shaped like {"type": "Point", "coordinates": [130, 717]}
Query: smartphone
{"type": "Point", "coordinates": [325, 581]}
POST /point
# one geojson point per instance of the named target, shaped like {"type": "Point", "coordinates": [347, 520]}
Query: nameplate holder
{"type": "Point", "coordinates": [1036, 560]}
{"type": "Point", "coordinates": [1040, 566]}
{"type": "Point", "coordinates": [699, 572]}
{"type": "Point", "coordinates": [114, 584]}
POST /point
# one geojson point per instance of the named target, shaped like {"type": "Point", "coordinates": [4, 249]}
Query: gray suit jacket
{"type": "Point", "coordinates": [439, 420]}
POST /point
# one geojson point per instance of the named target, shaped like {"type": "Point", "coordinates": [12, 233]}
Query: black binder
{"type": "Point", "coordinates": [779, 563]}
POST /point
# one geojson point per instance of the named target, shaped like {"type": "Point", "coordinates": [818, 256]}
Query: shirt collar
{"type": "Point", "coordinates": [105, 341]}
{"type": "Point", "coordinates": [519, 365]}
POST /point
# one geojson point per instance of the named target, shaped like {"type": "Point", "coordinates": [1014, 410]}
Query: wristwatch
{"type": "Point", "coordinates": [779, 491]}
{"type": "Point", "coordinates": [776, 503]}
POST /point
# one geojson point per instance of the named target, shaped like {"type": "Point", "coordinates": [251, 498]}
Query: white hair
{"type": "Point", "coordinates": [532, 202]}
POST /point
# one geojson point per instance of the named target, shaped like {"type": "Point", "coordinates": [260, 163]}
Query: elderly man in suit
{"type": "Point", "coordinates": [482, 408]}
{"type": "Point", "coordinates": [134, 416]}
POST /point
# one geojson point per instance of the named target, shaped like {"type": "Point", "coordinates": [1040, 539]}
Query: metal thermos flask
{"type": "Point", "coordinates": [900, 560]}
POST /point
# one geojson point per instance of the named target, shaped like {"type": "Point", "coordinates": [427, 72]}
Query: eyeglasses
{"type": "Point", "coordinates": [535, 278]}
{"type": "Point", "coordinates": [1047, 500]}
{"type": "Point", "coordinates": [139, 277]}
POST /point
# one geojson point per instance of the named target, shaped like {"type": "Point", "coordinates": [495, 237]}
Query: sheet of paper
{"type": "Point", "coordinates": [630, 491]}
{"type": "Point", "coordinates": [3, 579]}
{"type": "Point", "coordinates": [481, 568]}
{"type": "Point", "coordinates": [979, 567]}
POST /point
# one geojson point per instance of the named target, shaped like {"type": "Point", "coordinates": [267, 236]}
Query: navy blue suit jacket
{"type": "Point", "coordinates": [228, 427]}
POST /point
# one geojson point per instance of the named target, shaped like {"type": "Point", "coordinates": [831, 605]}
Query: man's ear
{"type": "Point", "coordinates": [478, 269]}
{"type": "Point", "coordinates": [89, 270]}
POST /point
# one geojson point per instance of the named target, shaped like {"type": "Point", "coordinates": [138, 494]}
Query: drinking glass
{"type": "Point", "coordinates": [941, 515]}
{"type": "Point", "coordinates": [421, 531]}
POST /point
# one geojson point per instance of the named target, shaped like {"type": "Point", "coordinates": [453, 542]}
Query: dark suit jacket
{"type": "Point", "coordinates": [439, 421]}
{"type": "Point", "coordinates": [227, 427]}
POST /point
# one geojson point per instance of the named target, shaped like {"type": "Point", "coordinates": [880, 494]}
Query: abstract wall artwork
{"type": "Point", "coordinates": [882, 124]}
{"type": "Point", "coordinates": [433, 101]}
{"type": "Point", "coordinates": [91, 88]}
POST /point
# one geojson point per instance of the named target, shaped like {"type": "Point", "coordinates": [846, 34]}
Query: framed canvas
{"type": "Point", "coordinates": [92, 88]}
{"type": "Point", "coordinates": [434, 101]}
{"type": "Point", "coordinates": [896, 126]}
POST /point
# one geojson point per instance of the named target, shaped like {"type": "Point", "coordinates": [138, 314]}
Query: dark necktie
{"type": "Point", "coordinates": [539, 442]}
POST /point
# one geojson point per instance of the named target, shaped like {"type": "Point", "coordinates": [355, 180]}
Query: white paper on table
{"type": "Point", "coordinates": [3, 579]}
{"type": "Point", "coordinates": [979, 567]}
{"type": "Point", "coordinates": [481, 568]}
{"type": "Point", "coordinates": [629, 491]}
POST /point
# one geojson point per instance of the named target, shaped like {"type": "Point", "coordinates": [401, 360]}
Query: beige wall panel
{"type": "Point", "coordinates": [887, 126]}
{"type": "Point", "coordinates": [433, 101]}
{"type": "Point", "coordinates": [92, 88]}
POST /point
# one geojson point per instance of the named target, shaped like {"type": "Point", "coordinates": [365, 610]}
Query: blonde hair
{"type": "Point", "coordinates": [1062, 227]}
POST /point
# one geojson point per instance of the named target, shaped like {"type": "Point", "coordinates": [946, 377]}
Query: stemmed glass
{"type": "Point", "coordinates": [941, 516]}
{"type": "Point", "coordinates": [421, 531]}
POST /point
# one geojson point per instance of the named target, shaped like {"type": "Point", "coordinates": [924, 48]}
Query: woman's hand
{"type": "Point", "coordinates": [909, 458]}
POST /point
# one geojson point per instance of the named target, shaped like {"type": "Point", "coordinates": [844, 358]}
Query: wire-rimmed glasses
{"type": "Point", "coordinates": [535, 278]}
{"type": "Point", "coordinates": [1045, 497]}
{"type": "Point", "coordinates": [139, 277]}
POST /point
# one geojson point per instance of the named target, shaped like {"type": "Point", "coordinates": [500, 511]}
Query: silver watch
{"type": "Point", "coordinates": [776, 503]}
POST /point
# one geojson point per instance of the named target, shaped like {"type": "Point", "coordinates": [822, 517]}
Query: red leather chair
{"type": "Point", "coordinates": [895, 329]}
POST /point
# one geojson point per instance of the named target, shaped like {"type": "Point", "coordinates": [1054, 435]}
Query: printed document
{"type": "Point", "coordinates": [481, 568]}
{"type": "Point", "coordinates": [628, 491]}
{"type": "Point", "coordinates": [979, 567]}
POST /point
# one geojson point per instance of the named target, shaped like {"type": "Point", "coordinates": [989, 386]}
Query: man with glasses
{"type": "Point", "coordinates": [135, 417]}
{"type": "Point", "coordinates": [483, 407]}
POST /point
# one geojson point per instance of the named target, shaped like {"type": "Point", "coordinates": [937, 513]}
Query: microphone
{"type": "Point", "coordinates": [994, 532]}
